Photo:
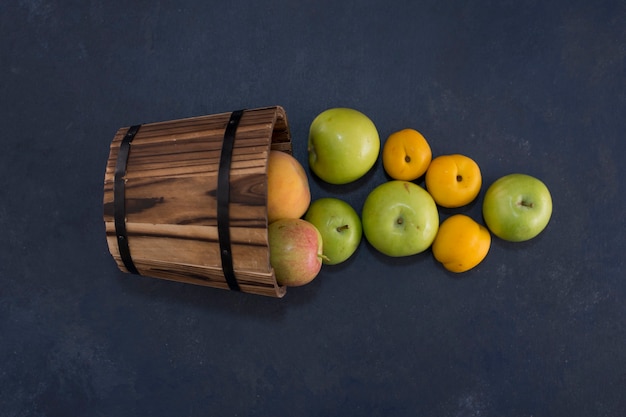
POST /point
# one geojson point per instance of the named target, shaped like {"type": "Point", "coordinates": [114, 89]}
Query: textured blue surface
{"type": "Point", "coordinates": [538, 329]}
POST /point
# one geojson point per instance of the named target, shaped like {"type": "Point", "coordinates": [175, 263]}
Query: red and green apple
{"type": "Point", "coordinates": [296, 251]}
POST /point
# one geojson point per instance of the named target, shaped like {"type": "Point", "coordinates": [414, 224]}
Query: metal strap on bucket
{"type": "Point", "coordinates": [223, 199]}
{"type": "Point", "coordinates": [119, 199]}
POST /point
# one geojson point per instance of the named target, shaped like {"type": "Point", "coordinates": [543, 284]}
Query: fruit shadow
{"type": "Point", "coordinates": [342, 188]}
{"type": "Point", "coordinates": [396, 261]}
{"type": "Point", "coordinates": [508, 246]}
{"type": "Point", "coordinates": [215, 300]}
{"type": "Point", "coordinates": [472, 210]}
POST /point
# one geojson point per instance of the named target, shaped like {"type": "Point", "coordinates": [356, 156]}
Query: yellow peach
{"type": "Point", "coordinates": [406, 155]}
{"type": "Point", "coordinates": [453, 180]}
{"type": "Point", "coordinates": [288, 193]}
{"type": "Point", "coordinates": [461, 243]}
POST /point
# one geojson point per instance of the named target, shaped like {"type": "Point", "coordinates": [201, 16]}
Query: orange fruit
{"type": "Point", "coordinates": [461, 243]}
{"type": "Point", "coordinates": [288, 192]}
{"type": "Point", "coordinates": [406, 155]}
{"type": "Point", "coordinates": [453, 180]}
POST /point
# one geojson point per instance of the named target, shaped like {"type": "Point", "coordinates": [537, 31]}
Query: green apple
{"type": "Point", "coordinates": [340, 227]}
{"type": "Point", "coordinates": [517, 207]}
{"type": "Point", "coordinates": [343, 145]}
{"type": "Point", "coordinates": [400, 218]}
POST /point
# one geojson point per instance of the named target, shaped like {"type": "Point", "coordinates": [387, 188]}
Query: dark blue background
{"type": "Point", "coordinates": [538, 329]}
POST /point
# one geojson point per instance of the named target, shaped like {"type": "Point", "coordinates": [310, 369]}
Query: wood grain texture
{"type": "Point", "coordinates": [171, 199]}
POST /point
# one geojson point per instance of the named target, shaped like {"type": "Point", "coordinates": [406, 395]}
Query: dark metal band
{"type": "Point", "coordinates": [223, 199]}
{"type": "Point", "coordinates": [119, 199]}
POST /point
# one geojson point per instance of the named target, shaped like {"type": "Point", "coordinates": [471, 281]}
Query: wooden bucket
{"type": "Point", "coordinates": [186, 200]}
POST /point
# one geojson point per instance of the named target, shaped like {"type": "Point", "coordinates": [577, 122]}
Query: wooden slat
{"type": "Point", "coordinates": [191, 200]}
{"type": "Point", "coordinates": [249, 283]}
{"type": "Point", "coordinates": [201, 254]}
